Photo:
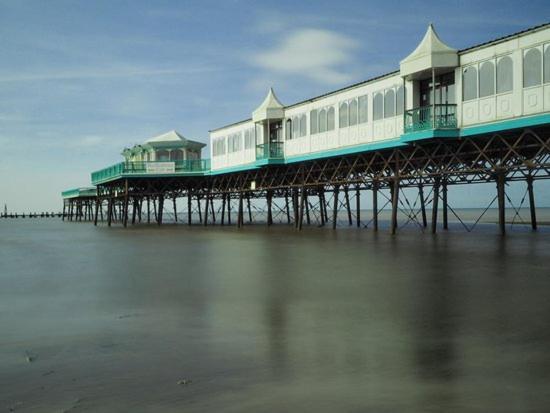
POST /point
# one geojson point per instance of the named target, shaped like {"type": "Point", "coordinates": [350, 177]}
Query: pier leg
{"type": "Point", "coordinates": [501, 181]}
{"type": "Point", "coordinates": [189, 207]}
{"type": "Point", "coordinates": [212, 209]}
{"type": "Point", "coordinates": [175, 209]}
{"type": "Point", "coordinates": [229, 209]}
{"type": "Point", "coordinates": [348, 206]}
{"type": "Point", "coordinates": [161, 209]}
{"type": "Point", "coordinates": [321, 209]}
{"type": "Point", "coordinates": [155, 209]}
{"type": "Point", "coordinates": [148, 210]}
{"type": "Point", "coordinates": [110, 208]}
{"type": "Point", "coordinates": [308, 218]}
{"type": "Point", "coordinates": [199, 206]}
{"type": "Point", "coordinates": [394, 206]}
{"type": "Point", "coordinates": [206, 205]}
{"type": "Point", "coordinates": [249, 208]}
{"type": "Point", "coordinates": [140, 206]}
{"type": "Point", "coordinates": [63, 216]}
{"type": "Point", "coordinates": [435, 202]}
{"type": "Point", "coordinates": [269, 196]}
{"type": "Point", "coordinates": [223, 210]}
{"type": "Point", "coordinates": [302, 205]}
{"type": "Point", "coordinates": [287, 208]}
{"type": "Point", "coordinates": [97, 201]}
{"type": "Point", "coordinates": [532, 207]}
{"type": "Point", "coordinates": [358, 206]}
{"type": "Point", "coordinates": [335, 208]}
{"type": "Point", "coordinates": [422, 205]}
{"type": "Point", "coordinates": [295, 207]}
{"type": "Point", "coordinates": [240, 211]}
{"type": "Point", "coordinates": [134, 211]}
{"type": "Point", "coordinates": [445, 207]}
{"type": "Point", "coordinates": [375, 205]}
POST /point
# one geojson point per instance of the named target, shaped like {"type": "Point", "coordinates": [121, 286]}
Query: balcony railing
{"type": "Point", "coordinates": [152, 168]}
{"type": "Point", "coordinates": [273, 150]}
{"type": "Point", "coordinates": [421, 118]}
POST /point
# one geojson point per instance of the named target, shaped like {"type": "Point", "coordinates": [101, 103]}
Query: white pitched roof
{"type": "Point", "coordinates": [431, 52]}
{"type": "Point", "coordinates": [271, 108]}
{"type": "Point", "coordinates": [171, 136]}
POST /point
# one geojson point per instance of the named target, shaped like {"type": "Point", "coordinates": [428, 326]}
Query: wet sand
{"type": "Point", "coordinates": [267, 320]}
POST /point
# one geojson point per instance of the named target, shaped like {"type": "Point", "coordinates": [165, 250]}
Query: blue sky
{"type": "Point", "coordinates": [80, 80]}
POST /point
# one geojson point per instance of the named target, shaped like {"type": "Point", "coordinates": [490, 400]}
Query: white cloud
{"type": "Point", "coordinates": [320, 55]}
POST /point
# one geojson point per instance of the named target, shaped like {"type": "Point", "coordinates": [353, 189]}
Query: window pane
{"type": "Point", "coordinates": [532, 68]}
{"type": "Point", "coordinates": [353, 112]}
{"type": "Point", "coordinates": [400, 100]}
{"type": "Point", "coordinates": [313, 122]}
{"type": "Point", "coordinates": [303, 125]}
{"type": "Point", "coordinates": [378, 109]}
{"type": "Point", "coordinates": [486, 79]}
{"type": "Point", "coordinates": [343, 116]}
{"type": "Point", "coordinates": [547, 64]}
{"type": "Point", "coordinates": [295, 127]}
{"type": "Point", "coordinates": [322, 120]}
{"type": "Point", "coordinates": [330, 118]}
{"type": "Point", "coordinates": [505, 74]}
{"type": "Point", "coordinates": [363, 112]}
{"type": "Point", "coordinates": [469, 83]}
{"type": "Point", "coordinates": [389, 103]}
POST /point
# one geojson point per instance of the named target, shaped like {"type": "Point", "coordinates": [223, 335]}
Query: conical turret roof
{"type": "Point", "coordinates": [430, 53]}
{"type": "Point", "coordinates": [271, 108]}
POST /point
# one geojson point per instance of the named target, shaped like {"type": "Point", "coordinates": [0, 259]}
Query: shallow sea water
{"type": "Point", "coordinates": [269, 320]}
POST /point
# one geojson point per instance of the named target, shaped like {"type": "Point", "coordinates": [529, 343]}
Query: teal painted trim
{"type": "Point", "coordinates": [430, 134]}
{"type": "Point", "coordinates": [239, 168]}
{"type": "Point", "coordinates": [510, 124]}
{"type": "Point", "coordinates": [367, 147]}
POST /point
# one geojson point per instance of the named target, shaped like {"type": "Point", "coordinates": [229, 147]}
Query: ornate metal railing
{"type": "Point", "coordinates": [151, 168]}
{"type": "Point", "coordinates": [422, 118]}
{"type": "Point", "coordinates": [273, 150]}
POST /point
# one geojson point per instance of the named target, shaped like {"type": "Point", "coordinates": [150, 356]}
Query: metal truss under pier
{"type": "Point", "coordinates": [317, 191]}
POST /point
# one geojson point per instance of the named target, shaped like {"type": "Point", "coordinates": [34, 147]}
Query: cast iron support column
{"type": "Point", "coordinates": [287, 208]}
{"type": "Point", "coordinates": [422, 205]}
{"type": "Point", "coordinates": [189, 207]}
{"type": "Point", "coordinates": [532, 202]}
{"type": "Point", "coordinates": [358, 206]}
{"type": "Point", "coordinates": [335, 208]}
{"type": "Point", "coordinates": [435, 202]}
{"type": "Point", "coordinates": [395, 204]}
{"type": "Point", "coordinates": [175, 209]}
{"type": "Point", "coordinates": [207, 204]}
{"type": "Point", "coordinates": [269, 196]}
{"type": "Point", "coordinates": [348, 206]}
{"type": "Point", "coordinates": [302, 205]}
{"type": "Point", "coordinates": [161, 209]}
{"type": "Point", "coordinates": [223, 210]}
{"type": "Point", "coordinates": [445, 208]}
{"type": "Point", "coordinates": [375, 205]}
{"type": "Point", "coordinates": [501, 181]}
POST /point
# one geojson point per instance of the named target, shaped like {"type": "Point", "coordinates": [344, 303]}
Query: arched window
{"type": "Point", "coordinates": [295, 127]}
{"type": "Point", "coordinates": [505, 74]}
{"type": "Point", "coordinates": [469, 83]}
{"type": "Point", "coordinates": [322, 120]}
{"type": "Point", "coordinates": [353, 112]}
{"type": "Point", "coordinates": [389, 103]}
{"type": "Point", "coordinates": [363, 109]}
{"type": "Point", "coordinates": [163, 155]}
{"type": "Point", "coordinates": [303, 125]}
{"type": "Point", "coordinates": [313, 122]}
{"type": "Point", "coordinates": [330, 118]}
{"type": "Point", "coordinates": [400, 100]}
{"type": "Point", "coordinates": [532, 68]}
{"type": "Point", "coordinates": [486, 79]}
{"type": "Point", "coordinates": [343, 115]}
{"type": "Point", "coordinates": [547, 64]}
{"type": "Point", "coordinates": [378, 106]}
{"type": "Point", "coordinates": [288, 129]}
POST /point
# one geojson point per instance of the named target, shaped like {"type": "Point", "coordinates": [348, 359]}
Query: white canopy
{"type": "Point", "coordinates": [270, 108]}
{"type": "Point", "coordinates": [430, 53]}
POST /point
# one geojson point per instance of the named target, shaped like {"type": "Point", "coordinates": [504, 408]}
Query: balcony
{"type": "Point", "coordinates": [191, 167]}
{"type": "Point", "coordinates": [422, 118]}
{"type": "Point", "coordinates": [273, 150]}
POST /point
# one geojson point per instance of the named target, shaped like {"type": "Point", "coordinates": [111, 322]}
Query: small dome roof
{"type": "Point", "coordinates": [271, 108]}
{"type": "Point", "coordinates": [430, 53]}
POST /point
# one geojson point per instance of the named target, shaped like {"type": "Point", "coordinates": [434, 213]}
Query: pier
{"type": "Point", "coordinates": [405, 140]}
